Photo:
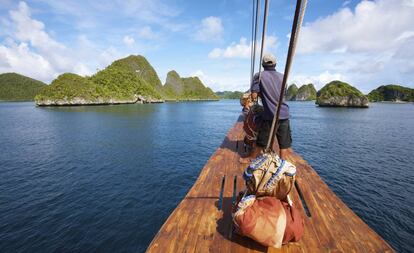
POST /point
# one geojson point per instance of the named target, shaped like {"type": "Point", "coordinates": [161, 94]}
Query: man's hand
{"type": "Point", "coordinates": [254, 96]}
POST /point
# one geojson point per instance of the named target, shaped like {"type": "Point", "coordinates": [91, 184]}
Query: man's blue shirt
{"type": "Point", "coordinates": [269, 90]}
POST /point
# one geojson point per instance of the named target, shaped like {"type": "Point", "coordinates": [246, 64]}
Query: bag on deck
{"type": "Point", "coordinates": [268, 175]}
{"type": "Point", "coordinates": [251, 124]}
{"type": "Point", "coordinates": [268, 221]}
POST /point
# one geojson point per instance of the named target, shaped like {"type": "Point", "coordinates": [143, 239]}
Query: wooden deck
{"type": "Point", "coordinates": [197, 224]}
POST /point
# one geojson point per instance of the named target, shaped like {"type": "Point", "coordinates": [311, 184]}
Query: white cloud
{"type": "Point", "coordinates": [128, 40]}
{"type": "Point", "coordinates": [211, 29]}
{"type": "Point", "coordinates": [374, 26]}
{"type": "Point", "coordinates": [221, 82]}
{"type": "Point", "coordinates": [203, 77]}
{"type": "Point", "coordinates": [146, 32]}
{"type": "Point", "coordinates": [318, 80]}
{"type": "Point", "coordinates": [31, 31]}
{"type": "Point", "coordinates": [19, 58]}
{"type": "Point", "coordinates": [370, 45]}
{"type": "Point", "coordinates": [242, 48]}
{"type": "Point", "coordinates": [30, 50]}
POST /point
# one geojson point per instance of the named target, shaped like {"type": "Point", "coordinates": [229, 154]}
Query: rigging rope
{"type": "Point", "coordinates": [252, 42]}
{"type": "Point", "coordinates": [297, 23]}
{"type": "Point", "coordinates": [255, 21]}
{"type": "Point", "coordinates": [266, 12]}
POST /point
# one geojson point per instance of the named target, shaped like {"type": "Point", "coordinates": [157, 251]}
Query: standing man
{"type": "Point", "coordinates": [268, 89]}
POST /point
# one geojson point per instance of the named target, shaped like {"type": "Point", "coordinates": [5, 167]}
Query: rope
{"type": "Point", "coordinates": [254, 47]}
{"type": "Point", "coordinates": [266, 12]}
{"type": "Point", "coordinates": [297, 23]}
{"type": "Point", "coordinates": [252, 43]}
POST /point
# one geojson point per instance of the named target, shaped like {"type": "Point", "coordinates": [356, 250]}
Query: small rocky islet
{"type": "Point", "coordinates": [333, 94]}
{"type": "Point", "coordinates": [341, 94]}
{"type": "Point", "coordinates": [392, 93]}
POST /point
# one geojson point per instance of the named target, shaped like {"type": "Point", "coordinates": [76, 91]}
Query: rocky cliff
{"type": "Point", "coordinates": [306, 93]}
{"type": "Point", "coordinates": [291, 92]}
{"type": "Point", "coordinates": [340, 94]}
{"type": "Point", "coordinates": [188, 88]}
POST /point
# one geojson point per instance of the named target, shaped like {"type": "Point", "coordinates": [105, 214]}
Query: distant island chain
{"type": "Point", "coordinates": [134, 80]}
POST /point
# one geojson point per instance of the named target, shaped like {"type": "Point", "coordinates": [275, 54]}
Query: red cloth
{"type": "Point", "coordinates": [294, 224]}
{"type": "Point", "coordinates": [269, 221]}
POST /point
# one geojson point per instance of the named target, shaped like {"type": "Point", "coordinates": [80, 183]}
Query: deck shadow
{"type": "Point", "coordinates": [236, 146]}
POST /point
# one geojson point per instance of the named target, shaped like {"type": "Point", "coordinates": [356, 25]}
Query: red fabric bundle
{"type": "Point", "coordinates": [268, 221]}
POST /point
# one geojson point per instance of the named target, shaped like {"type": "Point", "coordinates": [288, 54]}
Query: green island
{"type": "Point", "coordinates": [188, 88]}
{"type": "Point", "coordinates": [391, 93]}
{"type": "Point", "coordinates": [16, 87]}
{"type": "Point", "coordinates": [341, 94]}
{"type": "Point", "coordinates": [291, 92]}
{"type": "Point", "coordinates": [229, 94]}
{"type": "Point", "coordinates": [128, 80]}
{"type": "Point", "coordinates": [306, 92]}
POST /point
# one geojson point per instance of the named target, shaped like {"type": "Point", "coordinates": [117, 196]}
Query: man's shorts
{"type": "Point", "coordinates": [283, 134]}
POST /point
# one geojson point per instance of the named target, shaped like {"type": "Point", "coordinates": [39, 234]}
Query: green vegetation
{"type": "Point", "coordinates": [340, 94]}
{"type": "Point", "coordinates": [391, 93]}
{"type": "Point", "coordinates": [306, 93]}
{"type": "Point", "coordinates": [123, 83]}
{"type": "Point", "coordinates": [230, 94]}
{"type": "Point", "coordinates": [291, 92]}
{"type": "Point", "coordinates": [15, 87]}
{"type": "Point", "coordinates": [138, 65]}
{"type": "Point", "coordinates": [338, 89]}
{"type": "Point", "coordinates": [68, 86]}
{"type": "Point", "coordinates": [188, 88]}
{"type": "Point", "coordinates": [124, 80]}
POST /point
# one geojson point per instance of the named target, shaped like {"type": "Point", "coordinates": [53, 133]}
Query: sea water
{"type": "Point", "coordinates": [105, 178]}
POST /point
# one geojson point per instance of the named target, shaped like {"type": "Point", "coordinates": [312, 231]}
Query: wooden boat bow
{"type": "Point", "coordinates": [199, 225]}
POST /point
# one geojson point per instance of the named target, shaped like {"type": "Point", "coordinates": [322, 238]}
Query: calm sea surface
{"type": "Point", "coordinates": [105, 178]}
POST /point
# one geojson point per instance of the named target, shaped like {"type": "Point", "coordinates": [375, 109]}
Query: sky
{"type": "Point", "coordinates": [364, 43]}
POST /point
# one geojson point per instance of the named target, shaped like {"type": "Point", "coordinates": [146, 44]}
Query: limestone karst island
{"type": "Point", "coordinates": [133, 80]}
{"type": "Point", "coordinates": [126, 81]}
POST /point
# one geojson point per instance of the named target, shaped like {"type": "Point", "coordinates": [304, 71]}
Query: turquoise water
{"type": "Point", "coordinates": [105, 178]}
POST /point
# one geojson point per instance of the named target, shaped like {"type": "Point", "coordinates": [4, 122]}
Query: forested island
{"type": "Point", "coordinates": [16, 87]}
{"type": "Point", "coordinates": [392, 93]}
{"type": "Point", "coordinates": [128, 80]}
{"type": "Point", "coordinates": [134, 80]}
{"type": "Point", "coordinates": [229, 94]}
{"type": "Point", "coordinates": [341, 94]}
{"type": "Point", "coordinates": [306, 92]}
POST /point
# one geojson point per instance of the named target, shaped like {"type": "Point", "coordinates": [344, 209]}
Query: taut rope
{"type": "Point", "coordinates": [297, 23]}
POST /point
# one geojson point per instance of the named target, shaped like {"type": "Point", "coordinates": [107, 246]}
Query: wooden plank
{"type": "Point", "coordinates": [196, 225]}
